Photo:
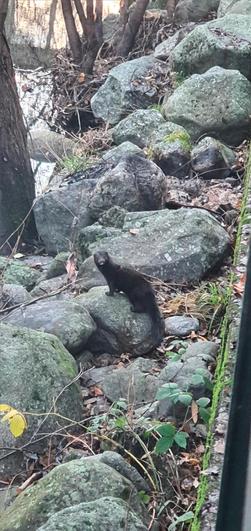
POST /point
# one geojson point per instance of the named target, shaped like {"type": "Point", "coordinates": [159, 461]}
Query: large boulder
{"type": "Point", "coordinates": [168, 144]}
{"type": "Point", "coordinates": [66, 319]}
{"type": "Point", "coordinates": [243, 7]}
{"type": "Point", "coordinates": [45, 145]}
{"type": "Point", "coordinates": [118, 328]}
{"type": "Point", "coordinates": [135, 184]}
{"type": "Point", "coordinates": [223, 42]}
{"type": "Point", "coordinates": [138, 127]}
{"type": "Point", "coordinates": [225, 6]}
{"type": "Point", "coordinates": [177, 246]}
{"type": "Point", "coordinates": [163, 50]}
{"type": "Point", "coordinates": [217, 103]}
{"type": "Point", "coordinates": [16, 272]}
{"type": "Point", "coordinates": [86, 487]}
{"type": "Point", "coordinates": [61, 213]}
{"type": "Point", "coordinates": [125, 89]}
{"type": "Point", "coordinates": [211, 159]}
{"type": "Point", "coordinates": [36, 375]}
{"type": "Point", "coordinates": [116, 153]}
{"type": "Point", "coordinates": [193, 10]}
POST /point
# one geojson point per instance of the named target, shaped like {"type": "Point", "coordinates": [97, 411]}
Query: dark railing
{"type": "Point", "coordinates": [234, 510]}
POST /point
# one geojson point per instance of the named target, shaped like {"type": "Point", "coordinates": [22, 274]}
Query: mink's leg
{"type": "Point", "coordinates": [137, 308]}
{"type": "Point", "coordinates": [110, 293]}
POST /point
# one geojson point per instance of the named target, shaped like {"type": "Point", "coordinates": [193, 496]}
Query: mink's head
{"type": "Point", "coordinates": [101, 258]}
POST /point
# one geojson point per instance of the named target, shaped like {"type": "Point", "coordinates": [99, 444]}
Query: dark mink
{"type": "Point", "coordinates": [138, 290]}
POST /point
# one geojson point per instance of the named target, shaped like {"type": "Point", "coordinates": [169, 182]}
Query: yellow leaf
{"type": "Point", "coordinates": [5, 407]}
{"type": "Point", "coordinates": [17, 421]}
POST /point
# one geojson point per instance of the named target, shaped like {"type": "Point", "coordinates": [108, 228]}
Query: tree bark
{"type": "Point", "coordinates": [17, 189]}
{"type": "Point", "coordinates": [73, 36]}
{"type": "Point", "coordinates": [132, 27]}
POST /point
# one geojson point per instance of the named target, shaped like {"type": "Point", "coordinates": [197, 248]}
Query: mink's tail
{"type": "Point", "coordinates": [158, 323]}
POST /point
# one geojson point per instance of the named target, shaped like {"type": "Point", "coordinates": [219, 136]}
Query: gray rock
{"type": "Point", "coordinates": [216, 103]}
{"type": "Point", "coordinates": [170, 148]}
{"type": "Point", "coordinates": [126, 148]}
{"type": "Point", "coordinates": [51, 285]}
{"type": "Point", "coordinates": [58, 266]}
{"type": "Point", "coordinates": [196, 357]}
{"type": "Point", "coordinates": [118, 328]}
{"type": "Point", "coordinates": [67, 320]}
{"type": "Point", "coordinates": [181, 326]}
{"type": "Point", "coordinates": [135, 184]}
{"type": "Point", "coordinates": [116, 461]}
{"type": "Point", "coordinates": [163, 50]}
{"type": "Point", "coordinates": [177, 246]}
{"type": "Point", "coordinates": [138, 127]}
{"type": "Point", "coordinates": [15, 272]}
{"type": "Point", "coordinates": [89, 276]}
{"type": "Point", "coordinates": [225, 6]}
{"type": "Point", "coordinates": [35, 368]}
{"type": "Point", "coordinates": [61, 213]}
{"type": "Point", "coordinates": [243, 7]}
{"type": "Point", "coordinates": [223, 42]}
{"type": "Point", "coordinates": [114, 217]}
{"type": "Point", "coordinates": [105, 513]}
{"type": "Point", "coordinates": [48, 505]}
{"type": "Point", "coordinates": [45, 145]}
{"type": "Point", "coordinates": [12, 294]}
{"type": "Point", "coordinates": [193, 10]}
{"type": "Point", "coordinates": [94, 233]}
{"type": "Point", "coordinates": [136, 383]}
{"type": "Point", "coordinates": [125, 89]}
{"type": "Point", "coordinates": [211, 159]}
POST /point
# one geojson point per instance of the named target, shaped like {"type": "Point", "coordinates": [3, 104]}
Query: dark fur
{"type": "Point", "coordinates": [138, 290]}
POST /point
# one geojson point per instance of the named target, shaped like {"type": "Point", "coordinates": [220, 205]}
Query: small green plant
{"type": "Point", "coordinates": [74, 163]}
{"type": "Point", "coordinates": [182, 519]}
{"type": "Point", "coordinates": [168, 436]}
{"type": "Point", "coordinates": [213, 302]}
{"type": "Point", "coordinates": [179, 347]}
{"type": "Point", "coordinates": [179, 77]}
{"type": "Point", "coordinates": [157, 107]}
{"type": "Point", "coordinates": [182, 136]}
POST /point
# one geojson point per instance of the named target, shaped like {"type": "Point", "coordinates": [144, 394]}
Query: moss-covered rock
{"type": "Point", "coordinates": [15, 272]}
{"type": "Point", "coordinates": [35, 369]}
{"type": "Point", "coordinates": [81, 481]}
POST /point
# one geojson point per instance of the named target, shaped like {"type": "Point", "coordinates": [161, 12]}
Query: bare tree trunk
{"type": "Point", "coordinates": [132, 26]}
{"type": "Point", "coordinates": [73, 36]}
{"type": "Point", "coordinates": [17, 190]}
{"type": "Point", "coordinates": [93, 30]}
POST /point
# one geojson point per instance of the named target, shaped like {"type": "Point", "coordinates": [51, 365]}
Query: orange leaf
{"type": "Point", "coordinates": [240, 285]}
{"type": "Point", "coordinates": [71, 267]}
{"type": "Point", "coordinates": [97, 391]}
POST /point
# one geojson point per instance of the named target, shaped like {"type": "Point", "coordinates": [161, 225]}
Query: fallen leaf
{"type": "Point", "coordinates": [134, 231]}
{"type": "Point", "coordinates": [71, 267]}
{"type": "Point", "coordinates": [240, 285]}
{"type": "Point", "coordinates": [194, 410]}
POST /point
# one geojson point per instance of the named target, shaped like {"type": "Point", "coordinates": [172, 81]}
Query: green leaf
{"type": "Point", "coordinates": [181, 351]}
{"type": "Point", "coordinates": [197, 379]}
{"type": "Point", "coordinates": [166, 430]}
{"type": "Point", "coordinates": [203, 402]}
{"type": "Point", "coordinates": [145, 498]}
{"type": "Point", "coordinates": [186, 517]}
{"type": "Point", "coordinates": [163, 445]}
{"type": "Point", "coordinates": [120, 422]}
{"type": "Point", "coordinates": [205, 414]}
{"type": "Point", "coordinates": [185, 398]}
{"type": "Point", "coordinates": [121, 404]}
{"type": "Point", "coordinates": [181, 439]}
{"type": "Point", "coordinates": [169, 390]}
{"type": "Point", "coordinates": [169, 353]}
